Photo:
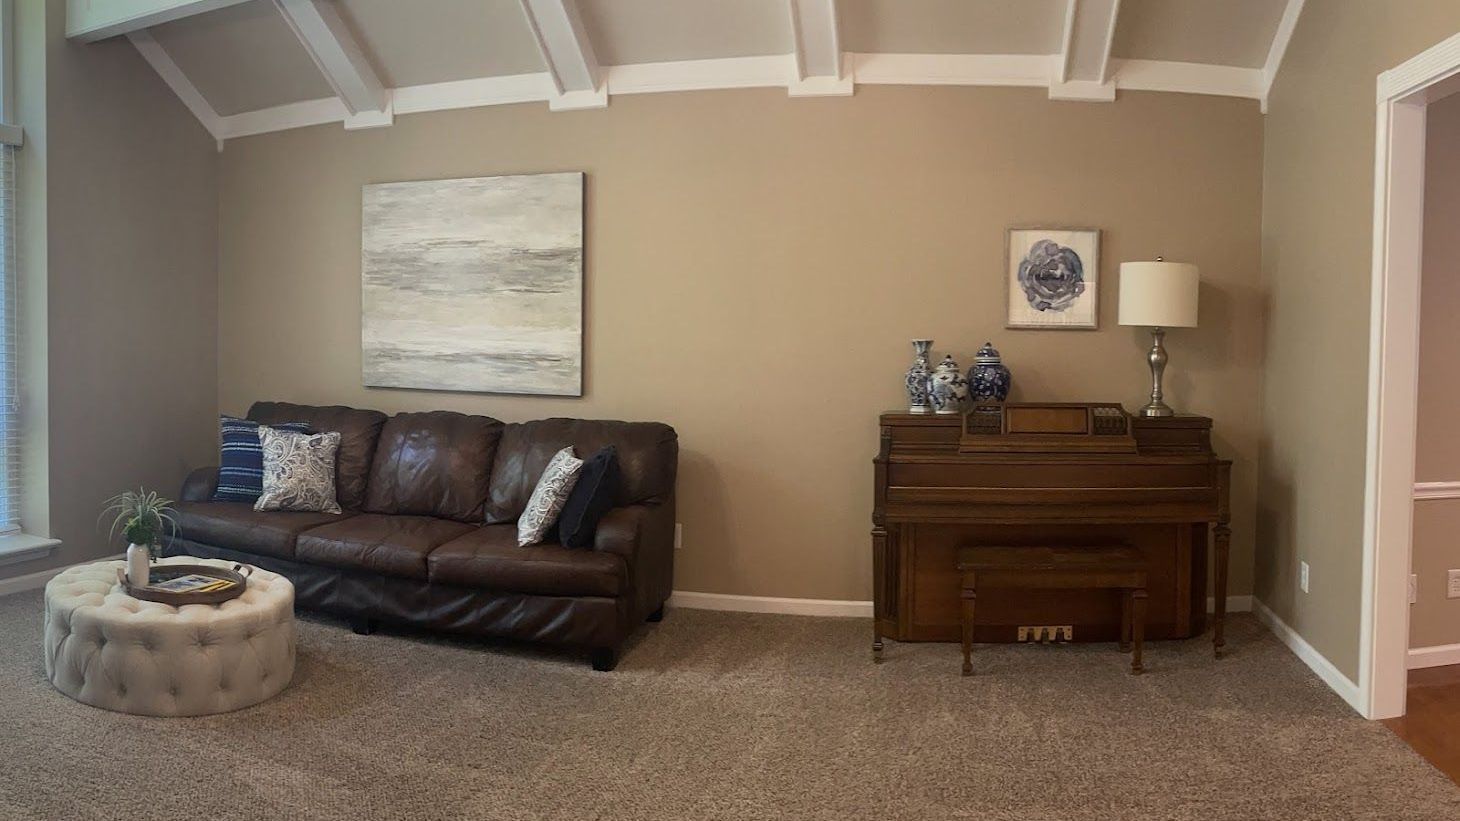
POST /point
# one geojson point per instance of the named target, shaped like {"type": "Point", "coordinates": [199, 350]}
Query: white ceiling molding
{"type": "Point", "coordinates": [572, 65]}
{"type": "Point", "coordinates": [1031, 70]}
{"type": "Point", "coordinates": [1280, 40]}
{"type": "Point", "coordinates": [770, 71]}
{"type": "Point", "coordinates": [1187, 78]}
{"type": "Point", "coordinates": [1084, 60]}
{"type": "Point", "coordinates": [161, 63]}
{"type": "Point", "coordinates": [91, 20]}
{"type": "Point", "coordinates": [819, 69]}
{"type": "Point", "coordinates": [329, 42]}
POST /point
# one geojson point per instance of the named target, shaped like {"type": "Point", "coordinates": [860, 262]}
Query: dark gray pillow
{"type": "Point", "coordinates": [592, 497]}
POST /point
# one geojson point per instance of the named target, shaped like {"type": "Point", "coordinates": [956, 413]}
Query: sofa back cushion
{"type": "Point", "coordinates": [648, 456]}
{"type": "Point", "coordinates": [434, 464]}
{"type": "Point", "coordinates": [358, 430]}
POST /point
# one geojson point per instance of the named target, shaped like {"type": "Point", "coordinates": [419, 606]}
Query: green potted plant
{"type": "Point", "coordinates": [142, 516]}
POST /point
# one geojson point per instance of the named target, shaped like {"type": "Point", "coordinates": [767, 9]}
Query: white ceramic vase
{"type": "Point", "coordinates": [139, 565]}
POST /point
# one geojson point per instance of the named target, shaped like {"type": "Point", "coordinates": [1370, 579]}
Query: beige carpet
{"type": "Point", "coordinates": [716, 715]}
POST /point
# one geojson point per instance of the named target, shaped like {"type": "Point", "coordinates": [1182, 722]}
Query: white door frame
{"type": "Point", "coordinates": [1403, 93]}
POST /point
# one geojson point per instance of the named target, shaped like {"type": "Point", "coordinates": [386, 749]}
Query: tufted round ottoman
{"type": "Point", "coordinates": [107, 649]}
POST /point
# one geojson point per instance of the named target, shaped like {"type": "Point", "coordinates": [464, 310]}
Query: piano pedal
{"type": "Point", "coordinates": [1046, 633]}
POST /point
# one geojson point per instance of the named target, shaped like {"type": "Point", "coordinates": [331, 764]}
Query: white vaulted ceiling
{"type": "Point", "coordinates": [252, 66]}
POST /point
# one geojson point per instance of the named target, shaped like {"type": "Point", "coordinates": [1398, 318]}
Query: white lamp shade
{"type": "Point", "coordinates": [1158, 294]}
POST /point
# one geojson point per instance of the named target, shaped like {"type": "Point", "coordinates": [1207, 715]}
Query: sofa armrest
{"type": "Point", "coordinates": [643, 535]}
{"type": "Point", "coordinates": [619, 531]}
{"type": "Point", "coordinates": [200, 485]}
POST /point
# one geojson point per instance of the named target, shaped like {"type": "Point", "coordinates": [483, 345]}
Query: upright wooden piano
{"type": "Point", "coordinates": [1040, 475]}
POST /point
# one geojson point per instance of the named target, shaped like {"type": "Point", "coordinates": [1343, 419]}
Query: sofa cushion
{"type": "Point", "coordinates": [237, 526]}
{"type": "Point", "coordinates": [648, 454]}
{"type": "Point", "coordinates": [433, 464]}
{"type": "Point", "coordinates": [489, 558]}
{"type": "Point", "coordinates": [358, 429]}
{"type": "Point", "coordinates": [378, 543]}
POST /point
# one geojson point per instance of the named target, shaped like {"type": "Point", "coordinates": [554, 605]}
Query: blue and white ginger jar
{"type": "Point", "coordinates": [988, 379]}
{"type": "Point", "coordinates": [949, 390]}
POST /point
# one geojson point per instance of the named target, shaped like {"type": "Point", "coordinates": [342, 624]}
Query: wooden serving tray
{"type": "Point", "coordinates": [173, 571]}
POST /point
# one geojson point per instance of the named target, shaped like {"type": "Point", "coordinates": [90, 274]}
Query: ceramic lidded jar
{"type": "Point", "coordinates": [948, 389]}
{"type": "Point", "coordinates": [917, 377]}
{"type": "Point", "coordinates": [988, 379]}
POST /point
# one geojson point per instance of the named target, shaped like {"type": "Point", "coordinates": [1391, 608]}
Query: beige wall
{"type": "Point", "coordinates": [131, 297]}
{"type": "Point", "coordinates": [756, 266]}
{"type": "Point", "coordinates": [1435, 619]}
{"type": "Point", "coordinates": [1317, 216]}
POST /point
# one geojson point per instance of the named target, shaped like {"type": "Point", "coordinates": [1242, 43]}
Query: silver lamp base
{"type": "Point", "coordinates": [1157, 357]}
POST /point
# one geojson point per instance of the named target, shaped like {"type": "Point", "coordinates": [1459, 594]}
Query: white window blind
{"type": "Point", "coordinates": [9, 376]}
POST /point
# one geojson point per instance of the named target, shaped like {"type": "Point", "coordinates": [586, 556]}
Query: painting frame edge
{"type": "Point", "coordinates": [1009, 324]}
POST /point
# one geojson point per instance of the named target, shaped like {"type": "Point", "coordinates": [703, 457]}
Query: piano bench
{"type": "Point", "coordinates": [1107, 567]}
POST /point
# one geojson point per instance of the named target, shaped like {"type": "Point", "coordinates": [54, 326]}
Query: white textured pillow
{"type": "Point", "coordinates": [548, 497]}
{"type": "Point", "coordinates": [299, 471]}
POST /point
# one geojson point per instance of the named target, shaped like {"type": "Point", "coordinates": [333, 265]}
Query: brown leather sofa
{"type": "Point", "coordinates": [428, 533]}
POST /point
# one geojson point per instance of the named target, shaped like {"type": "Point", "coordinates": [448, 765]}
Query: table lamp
{"type": "Point", "coordinates": [1158, 295]}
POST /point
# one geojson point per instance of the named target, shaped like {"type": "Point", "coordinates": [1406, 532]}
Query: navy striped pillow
{"type": "Point", "coordinates": [241, 459]}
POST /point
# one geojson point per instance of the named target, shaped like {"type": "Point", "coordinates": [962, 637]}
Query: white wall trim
{"type": "Point", "coordinates": [1438, 655]}
{"type": "Point", "coordinates": [1389, 459]}
{"type": "Point", "coordinates": [564, 45]}
{"type": "Point", "coordinates": [1316, 661]}
{"type": "Point", "coordinates": [1031, 70]}
{"type": "Point", "coordinates": [770, 604]}
{"type": "Point", "coordinates": [1279, 48]}
{"type": "Point", "coordinates": [829, 607]}
{"type": "Point", "coordinates": [702, 75]}
{"type": "Point", "coordinates": [158, 58]}
{"type": "Point", "coordinates": [33, 581]}
{"type": "Point", "coordinates": [769, 71]}
{"type": "Point", "coordinates": [1187, 78]}
{"type": "Point", "coordinates": [1436, 490]}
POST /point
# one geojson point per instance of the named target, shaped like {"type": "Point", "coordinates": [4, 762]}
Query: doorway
{"type": "Point", "coordinates": [1404, 96]}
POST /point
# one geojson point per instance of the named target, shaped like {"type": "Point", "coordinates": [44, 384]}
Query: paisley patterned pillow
{"type": "Point", "coordinates": [548, 497]}
{"type": "Point", "coordinates": [299, 470]}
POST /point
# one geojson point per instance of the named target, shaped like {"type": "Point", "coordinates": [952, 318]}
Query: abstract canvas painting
{"type": "Point", "coordinates": [474, 284]}
{"type": "Point", "coordinates": [1053, 278]}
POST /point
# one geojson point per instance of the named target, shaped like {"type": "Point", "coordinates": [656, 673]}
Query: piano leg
{"type": "Point", "coordinates": [1223, 540]}
{"type": "Point", "coordinates": [876, 646]}
{"type": "Point", "coordinates": [970, 598]}
{"type": "Point", "coordinates": [1125, 620]}
{"type": "Point", "coordinates": [1138, 631]}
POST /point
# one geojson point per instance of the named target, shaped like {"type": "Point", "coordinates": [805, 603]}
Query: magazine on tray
{"type": "Point", "coordinates": [193, 583]}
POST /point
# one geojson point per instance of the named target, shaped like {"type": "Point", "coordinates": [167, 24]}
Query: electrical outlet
{"type": "Point", "coordinates": [1303, 576]}
{"type": "Point", "coordinates": [678, 535]}
{"type": "Point", "coordinates": [1413, 588]}
{"type": "Point", "coordinates": [1452, 585]}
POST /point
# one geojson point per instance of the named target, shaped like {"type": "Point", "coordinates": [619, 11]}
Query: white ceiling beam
{"type": "Point", "coordinates": [89, 20]}
{"type": "Point", "coordinates": [1083, 69]}
{"type": "Point", "coordinates": [328, 40]}
{"type": "Point", "coordinates": [161, 63]}
{"type": "Point", "coordinates": [1280, 39]}
{"type": "Point", "coordinates": [817, 50]}
{"type": "Point", "coordinates": [568, 53]}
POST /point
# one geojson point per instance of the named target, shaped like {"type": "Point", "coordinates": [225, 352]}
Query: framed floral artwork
{"type": "Point", "coordinates": [1053, 278]}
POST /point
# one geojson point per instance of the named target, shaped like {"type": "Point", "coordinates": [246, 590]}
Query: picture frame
{"type": "Point", "coordinates": [1052, 278]}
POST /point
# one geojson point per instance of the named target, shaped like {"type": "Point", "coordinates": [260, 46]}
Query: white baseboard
{"type": "Point", "coordinates": [770, 604]}
{"type": "Point", "coordinates": [832, 607]}
{"type": "Point", "coordinates": [1309, 655]}
{"type": "Point", "coordinates": [32, 581]}
{"type": "Point", "coordinates": [1438, 655]}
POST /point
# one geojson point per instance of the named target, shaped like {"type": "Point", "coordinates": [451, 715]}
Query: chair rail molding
{"type": "Point", "coordinates": [1436, 490]}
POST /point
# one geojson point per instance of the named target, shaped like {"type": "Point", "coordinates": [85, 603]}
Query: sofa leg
{"type": "Point", "coordinates": [657, 615]}
{"type": "Point", "coordinates": [362, 625]}
{"type": "Point", "coordinates": [604, 658]}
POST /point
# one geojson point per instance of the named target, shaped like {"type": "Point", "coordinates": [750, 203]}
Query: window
{"type": "Point", "coordinates": [10, 139]}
